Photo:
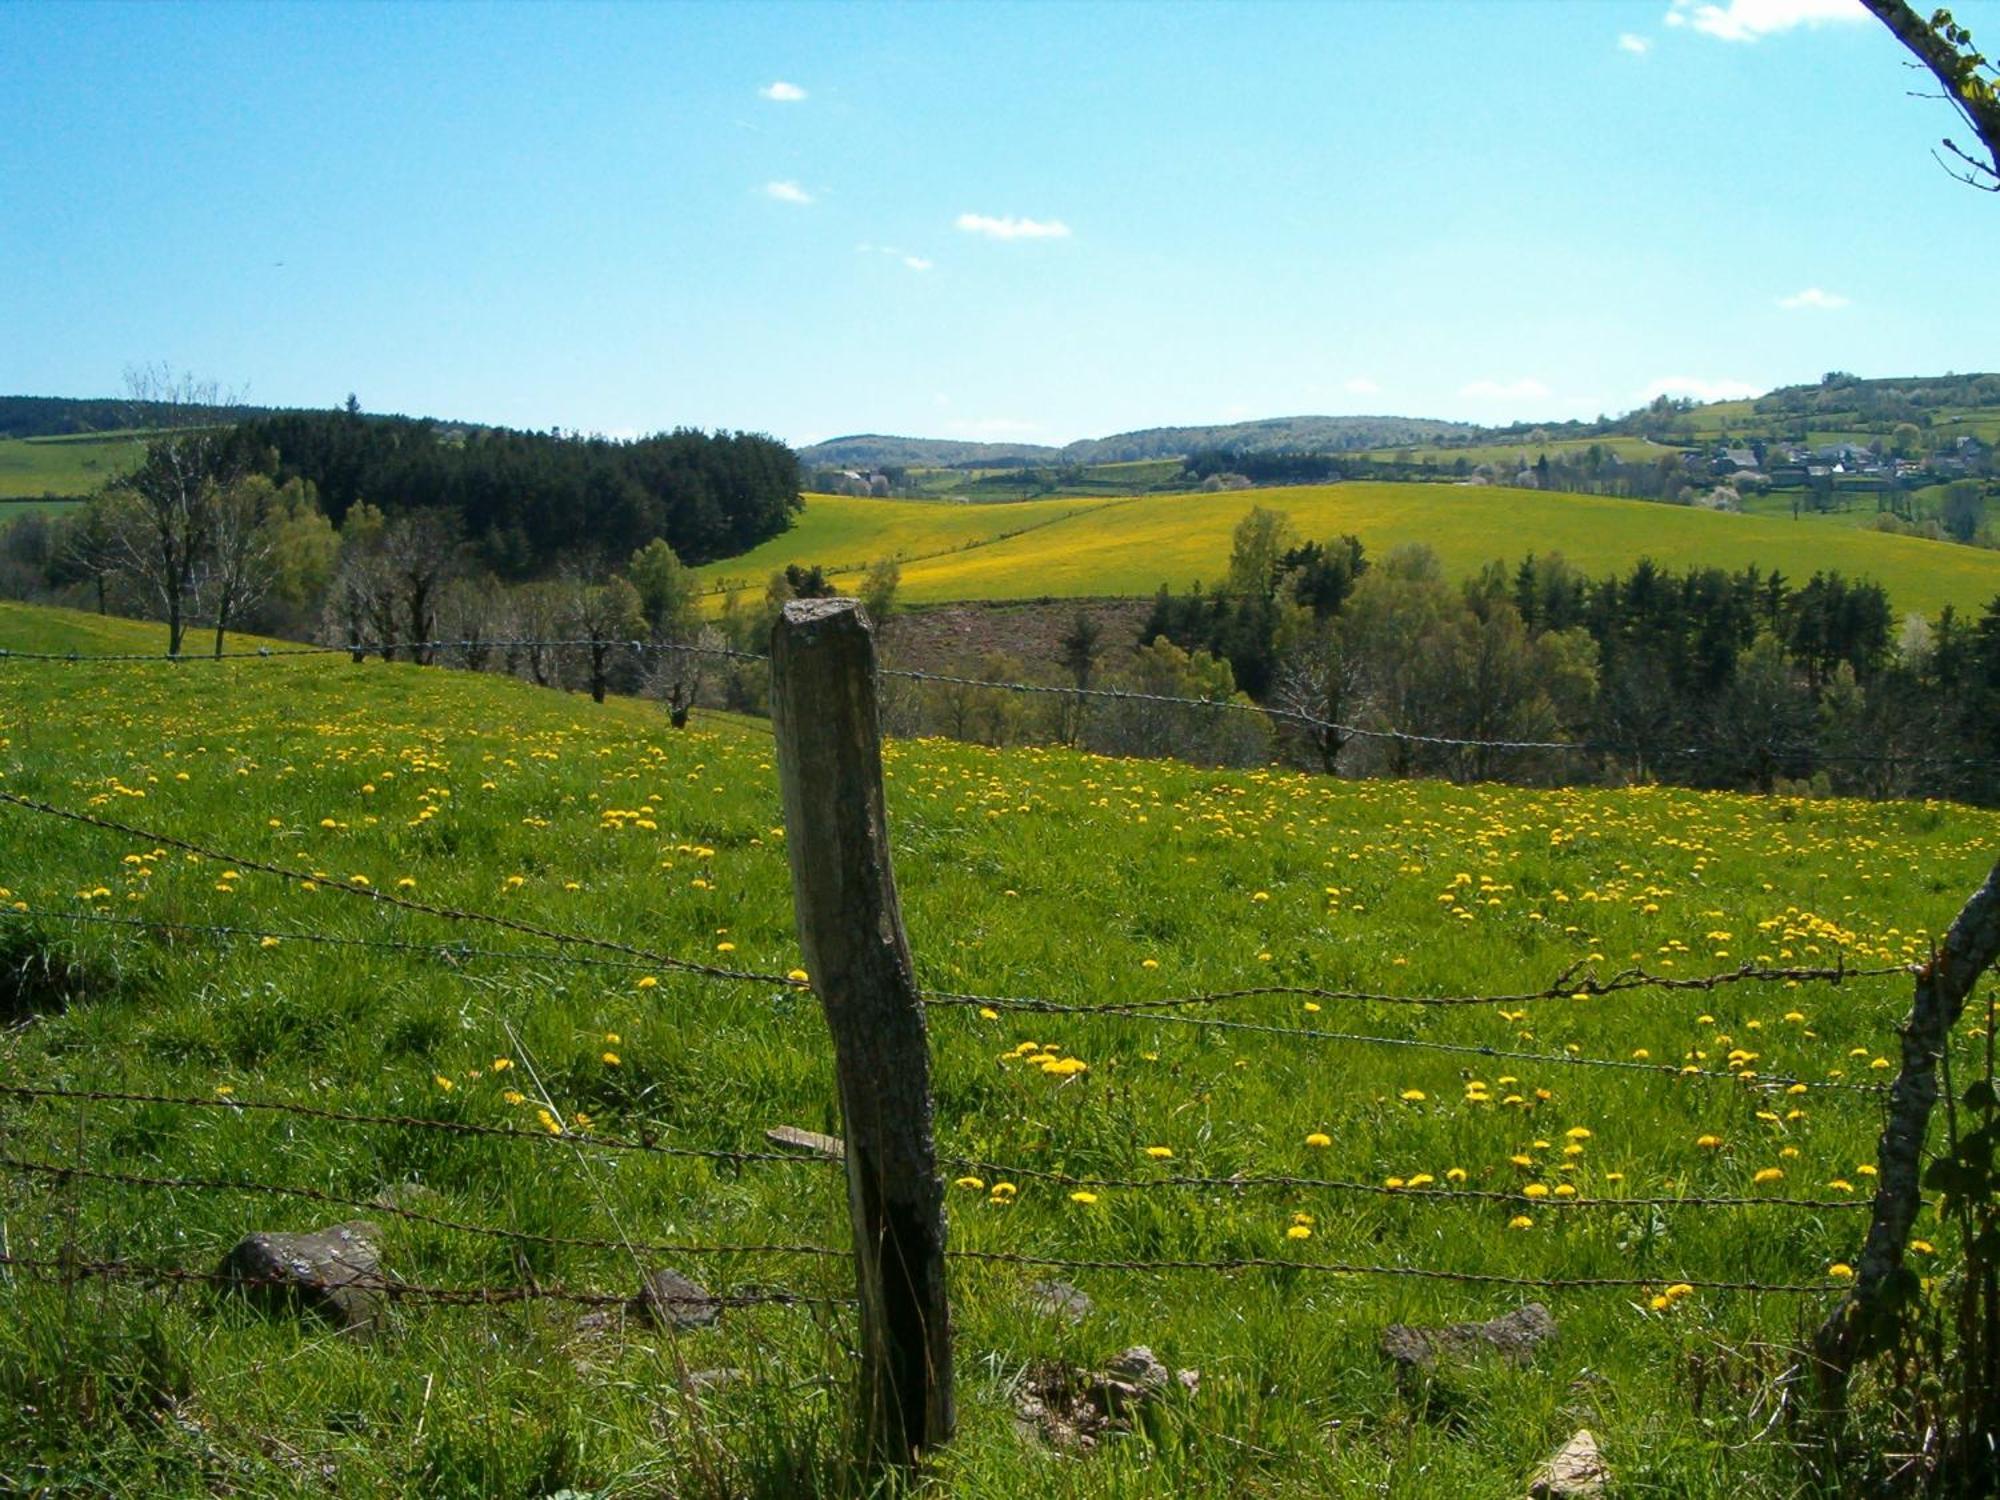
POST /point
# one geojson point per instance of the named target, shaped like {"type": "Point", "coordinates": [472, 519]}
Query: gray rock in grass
{"type": "Point", "coordinates": [1515, 1336]}
{"type": "Point", "coordinates": [334, 1272]}
{"type": "Point", "coordinates": [668, 1299]}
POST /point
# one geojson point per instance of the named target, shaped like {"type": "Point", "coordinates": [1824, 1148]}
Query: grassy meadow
{"type": "Point", "coordinates": [31, 468]}
{"type": "Point", "coordinates": [1023, 873]}
{"type": "Point", "coordinates": [1134, 546]}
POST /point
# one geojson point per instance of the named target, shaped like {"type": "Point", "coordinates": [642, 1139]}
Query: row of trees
{"type": "Point", "coordinates": [529, 502]}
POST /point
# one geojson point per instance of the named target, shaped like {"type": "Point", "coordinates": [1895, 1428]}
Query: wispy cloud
{"type": "Point", "coordinates": [1527, 388]}
{"type": "Point", "coordinates": [1747, 20]}
{"type": "Point", "coordinates": [1631, 41]}
{"type": "Point", "coordinates": [787, 192]}
{"type": "Point", "coordinates": [782, 92]}
{"type": "Point", "coordinates": [1360, 385]}
{"type": "Point", "coordinates": [1813, 297]}
{"type": "Point", "coordinates": [1007, 227]}
{"type": "Point", "coordinates": [914, 262]}
{"type": "Point", "coordinates": [1701, 390]}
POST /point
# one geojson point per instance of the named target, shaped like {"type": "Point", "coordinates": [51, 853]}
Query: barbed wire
{"type": "Point", "coordinates": [406, 903]}
{"type": "Point", "coordinates": [1467, 1195]}
{"type": "Point", "coordinates": [564, 1135]}
{"type": "Point", "coordinates": [1343, 1268]}
{"type": "Point", "coordinates": [61, 1268]}
{"type": "Point", "coordinates": [1567, 986]}
{"type": "Point", "coordinates": [453, 951]}
{"type": "Point", "coordinates": [1574, 983]}
{"type": "Point", "coordinates": [1159, 1011]}
{"type": "Point", "coordinates": [63, 1171]}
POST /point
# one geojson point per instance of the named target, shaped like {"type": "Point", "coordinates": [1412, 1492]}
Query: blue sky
{"type": "Point", "coordinates": [1017, 222]}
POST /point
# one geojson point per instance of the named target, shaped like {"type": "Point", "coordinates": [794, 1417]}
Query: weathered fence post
{"type": "Point", "coordinates": [1866, 1314]}
{"type": "Point", "coordinates": [823, 706]}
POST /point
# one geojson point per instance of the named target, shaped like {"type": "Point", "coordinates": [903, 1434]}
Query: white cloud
{"type": "Point", "coordinates": [1007, 227]}
{"type": "Point", "coordinates": [1747, 20]}
{"type": "Point", "coordinates": [1813, 296]}
{"type": "Point", "coordinates": [787, 192]}
{"type": "Point", "coordinates": [782, 92]}
{"type": "Point", "coordinates": [914, 262]}
{"type": "Point", "coordinates": [1701, 390]}
{"type": "Point", "coordinates": [1360, 385]}
{"type": "Point", "coordinates": [1525, 389]}
{"type": "Point", "coordinates": [1631, 41]}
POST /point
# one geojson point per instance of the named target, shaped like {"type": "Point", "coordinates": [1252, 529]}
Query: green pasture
{"type": "Point", "coordinates": [1041, 873]}
{"type": "Point", "coordinates": [65, 466]}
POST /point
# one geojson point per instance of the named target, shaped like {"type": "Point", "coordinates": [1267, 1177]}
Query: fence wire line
{"type": "Point", "coordinates": [1574, 983]}
{"type": "Point", "coordinates": [564, 1136]}
{"type": "Point", "coordinates": [454, 951]}
{"type": "Point", "coordinates": [1001, 1171]}
{"type": "Point", "coordinates": [1271, 712]}
{"type": "Point", "coordinates": [1567, 986]}
{"type": "Point", "coordinates": [511, 924]}
{"type": "Point", "coordinates": [63, 1268]}
{"type": "Point", "coordinates": [61, 1172]}
{"type": "Point", "coordinates": [1342, 1268]}
{"type": "Point", "coordinates": [1138, 1011]}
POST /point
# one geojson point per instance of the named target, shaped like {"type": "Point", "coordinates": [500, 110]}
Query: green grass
{"type": "Point", "coordinates": [1030, 872]}
{"type": "Point", "coordinates": [65, 466]}
{"type": "Point", "coordinates": [1133, 547]}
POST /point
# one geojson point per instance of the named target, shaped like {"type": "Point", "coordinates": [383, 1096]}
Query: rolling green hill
{"type": "Point", "coordinates": [1134, 546]}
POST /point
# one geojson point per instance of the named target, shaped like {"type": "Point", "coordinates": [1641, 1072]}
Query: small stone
{"type": "Point", "coordinates": [697, 1381]}
{"type": "Point", "coordinates": [1577, 1471]}
{"type": "Point", "coordinates": [1515, 1335]}
{"type": "Point", "coordinates": [335, 1272]}
{"type": "Point", "coordinates": [809, 1142]}
{"type": "Point", "coordinates": [668, 1299]}
{"type": "Point", "coordinates": [1058, 1299]}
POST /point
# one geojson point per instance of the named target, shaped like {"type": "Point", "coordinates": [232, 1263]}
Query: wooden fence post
{"type": "Point", "coordinates": [1867, 1312]}
{"type": "Point", "coordinates": [823, 707]}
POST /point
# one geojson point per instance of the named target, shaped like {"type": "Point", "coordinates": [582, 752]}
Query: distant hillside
{"type": "Point", "coordinates": [1269, 435]}
{"type": "Point", "coordinates": [871, 450]}
{"type": "Point", "coordinates": [64, 416]}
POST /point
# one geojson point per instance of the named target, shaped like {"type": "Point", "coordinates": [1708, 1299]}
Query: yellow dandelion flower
{"type": "Point", "coordinates": [1298, 1232]}
{"type": "Point", "coordinates": [1083, 1195]}
{"type": "Point", "coordinates": [973, 1183]}
{"type": "Point", "coordinates": [1160, 1153]}
{"type": "Point", "coordinates": [648, 982]}
{"type": "Point", "coordinates": [1520, 1221]}
{"type": "Point", "coordinates": [1319, 1140]}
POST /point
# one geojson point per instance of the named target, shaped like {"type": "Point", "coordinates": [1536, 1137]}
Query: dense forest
{"type": "Point", "coordinates": [530, 500]}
